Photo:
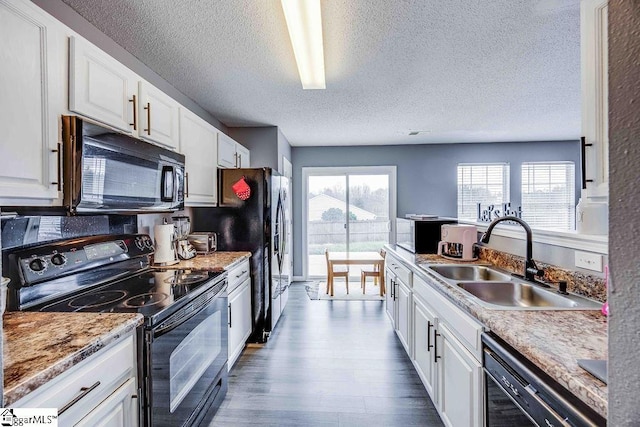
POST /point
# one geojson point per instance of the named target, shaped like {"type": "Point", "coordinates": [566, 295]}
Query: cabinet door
{"type": "Point", "coordinates": [29, 60]}
{"type": "Point", "coordinates": [120, 409]}
{"type": "Point", "coordinates": [595, 96]}
{"type": "Point", "coordinates": [239, 320]}
{"type": "Point", "coordinates": [244, 156]}
{"type": "Point", "coordinates": [459, 381]}
{"type": "Point", "coordinates": [403, 298]}
{"type": "Point", "coordinates": [159, 116]}
{"type": "Point", "coordinates": [100, 87]}
{"type": "Point", "coordinates": [424, 322]}
{"type": "Point", "coordinates": [198, 144]}
{"type": "Point", "coordinates": [389, 297]}
{"type": "Point", "coordinates": [227, 157]}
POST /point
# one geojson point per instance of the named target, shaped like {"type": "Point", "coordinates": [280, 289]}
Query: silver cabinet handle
{"type": "Point", "coordinates": [429, 326]}
{"type": "Point", "coordinates": [83, 392]}
{"type": "Point", "coordinates": [186, 184]}
{"type": "Point", "coordinates": [435, 346]}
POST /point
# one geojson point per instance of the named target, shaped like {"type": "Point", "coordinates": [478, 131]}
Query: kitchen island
{"type": "Point", "coordinates": [38, 347]}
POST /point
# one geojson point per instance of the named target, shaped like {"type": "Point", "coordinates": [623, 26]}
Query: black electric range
{"type": "Point", "coordinates": [185, 315]}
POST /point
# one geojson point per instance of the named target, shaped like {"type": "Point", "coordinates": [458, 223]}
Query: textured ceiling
{"type": "Point", "coordinates": [463, 70]}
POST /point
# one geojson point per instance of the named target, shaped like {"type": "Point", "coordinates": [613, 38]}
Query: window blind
{"type": "Point", "coordinates": [484, 183]}
{"type": "Point", "coordinates": [548, 195]}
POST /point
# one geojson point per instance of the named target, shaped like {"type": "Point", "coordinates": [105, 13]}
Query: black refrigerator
{"type": "Point", "coordinates": [253, 215]}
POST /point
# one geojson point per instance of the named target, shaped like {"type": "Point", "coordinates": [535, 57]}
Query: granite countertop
{"type": "Point", "coordinates": [215, 261]}
{"type": "Point", "coordinates": [35, 352]}
{"type": "Point", "coordinates": [552, 339]}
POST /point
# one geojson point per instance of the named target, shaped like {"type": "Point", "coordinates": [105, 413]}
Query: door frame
{"type": "Point", "coordinates": [390, 170]}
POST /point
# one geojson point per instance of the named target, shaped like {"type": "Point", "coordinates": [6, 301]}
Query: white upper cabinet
{"type": "Point", "coordinates": [100, 87]}
{"type": "Point", "coordinates": [30, 63]}
{"type": "Point", "coordinates": [595, 96]}
{"type": "Point", "coordinates": [243, 156]}
{"type": "Point", "coordinates": [198, 142]}
{"type": "Point", "coordinates": [159, 115]}
{"type": "Point", "coordinates": [103, 89]}
{"type": "Point", "coordinates": [231, 154]}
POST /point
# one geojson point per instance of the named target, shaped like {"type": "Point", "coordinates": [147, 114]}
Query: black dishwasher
{"type": "Point", "coordinates": [519, 394]}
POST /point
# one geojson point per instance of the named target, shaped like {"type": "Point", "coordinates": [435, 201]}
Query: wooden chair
{"type": "Point", "coordinates": [375, 273]}
{"type": "Point", "coordinates": [336, 271]}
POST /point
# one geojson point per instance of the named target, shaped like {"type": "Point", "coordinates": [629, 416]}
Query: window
{"type": "Point", "coordinates": [486, 183]}
{"type": "Point", "coordinates": [548, 195]}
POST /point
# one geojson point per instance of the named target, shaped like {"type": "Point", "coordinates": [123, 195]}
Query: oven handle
{"type": "Point", "coordinates": [186, 316]}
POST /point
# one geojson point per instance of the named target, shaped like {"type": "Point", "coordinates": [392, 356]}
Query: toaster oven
{"type": "Point", "coordinates": [203, 242]}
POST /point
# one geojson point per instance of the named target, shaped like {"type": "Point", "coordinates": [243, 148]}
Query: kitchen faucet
{"type": "Point", "coordinates": [531, 270]}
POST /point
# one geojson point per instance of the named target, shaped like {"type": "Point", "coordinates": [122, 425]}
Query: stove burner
{"type": "Point", "coordinates": [96, 299]}
{"type": "Point", "coordinates": [186, 278]}
{"type": "Point", "coordinates": [151, 298]}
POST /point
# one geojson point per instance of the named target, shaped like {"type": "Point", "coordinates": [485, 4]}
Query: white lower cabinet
{"type": "Point", "coordinates": [403, 298]}
{"type": "Point", "coordinates": [119, 409]}
{"type": "Point", "coordinates": [424, 322]}
{"type": "Point", "coordinates": [460, 381]}
{"type": "Point", "coordinates": [101, 390]}
{"type": "Point", "coordinates": [239, 310]}
{"type": "Point", "coordinates": [442, 341]}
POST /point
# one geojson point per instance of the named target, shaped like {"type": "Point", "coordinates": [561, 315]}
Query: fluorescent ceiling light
{"type": "Point", "coordinates": [305, 29]}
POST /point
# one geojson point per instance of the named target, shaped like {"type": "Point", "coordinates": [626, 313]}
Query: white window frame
{"type": "Point", "coordinates": [349, 170]}
{"type": "Point", "coordinates": [541, 211]}
{"type": "Point", "coordinates": [471, 213]}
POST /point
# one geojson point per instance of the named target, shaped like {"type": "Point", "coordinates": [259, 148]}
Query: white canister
{"type": "Point", "coordinates": [592, 217]}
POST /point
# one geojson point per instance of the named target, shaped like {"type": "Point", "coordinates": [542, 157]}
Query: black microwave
{"type": "Point", "coordinates": [106, 171]}
{"type": "Point", "coordinates": [420, 236]}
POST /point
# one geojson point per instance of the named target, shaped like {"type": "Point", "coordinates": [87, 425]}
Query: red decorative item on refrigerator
{"type": "Point", "coordinates": [241, 189]}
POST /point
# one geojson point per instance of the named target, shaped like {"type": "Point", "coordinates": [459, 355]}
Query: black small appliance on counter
{"type": "Point", "coordinates": [420, 236]}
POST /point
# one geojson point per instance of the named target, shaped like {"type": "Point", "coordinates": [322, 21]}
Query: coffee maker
{"type": "Point", "coordinates": [457, 242]}
{"type": "Point", "coordinates": [183, 227]}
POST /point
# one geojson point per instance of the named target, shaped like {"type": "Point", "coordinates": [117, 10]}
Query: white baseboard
{"type": "Point", "coordinates": [298, 279]}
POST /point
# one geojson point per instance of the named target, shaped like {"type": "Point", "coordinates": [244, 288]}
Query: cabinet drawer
{"type": "Point", "coordinates": [238, 275]}
{"type": "Point", "coordinates": [94, 379]}
{"type": "Point", "coordinates": [401, 271]}
{"type": "Point", "coordinates": [465, 328]}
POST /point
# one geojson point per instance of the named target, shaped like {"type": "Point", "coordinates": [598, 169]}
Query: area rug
{"type": "Point", "coordinates": [355, 292]}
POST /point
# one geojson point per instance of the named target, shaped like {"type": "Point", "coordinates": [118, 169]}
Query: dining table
{"type": "Point", "coordinates": [355, 258]}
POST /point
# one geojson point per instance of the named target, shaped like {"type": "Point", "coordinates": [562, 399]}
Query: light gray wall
{"type": "Point", "coordinates": [427, 174]}
{"type": "Point", "coordinates": [267, 145]}
{"type": "Point", "coordinates": [624, 215]}
{"type": "Point", "coordinates": [77, 23]}
{"type": "Point", "coordinates": [261, 141]}
{"type": "Point", "coordinates": [284, 149]}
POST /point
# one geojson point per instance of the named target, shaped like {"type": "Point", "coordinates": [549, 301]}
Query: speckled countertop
{"type": "Point", "coordinates": [40, 346]}
{"type": "Point", "coordinates": [215, 261]}
{"type": "Point", "coordinates": [551, 339]}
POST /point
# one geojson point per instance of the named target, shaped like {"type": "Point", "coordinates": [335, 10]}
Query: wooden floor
{"type": "Point", "coordinates": [328, 363]}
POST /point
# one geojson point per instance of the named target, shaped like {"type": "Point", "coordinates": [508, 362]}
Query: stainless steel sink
{"type": "Point", "coordinates": [524, 295]}
{"type": "Point", "coordinates": [495, 289]}
{"type": "Point", "coordinates": [469, 272]}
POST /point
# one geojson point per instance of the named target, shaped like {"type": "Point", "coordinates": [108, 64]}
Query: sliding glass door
{"type": "Point", "coordinates": [347, 210]}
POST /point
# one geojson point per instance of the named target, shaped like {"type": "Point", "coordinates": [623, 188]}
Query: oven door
{"type": "Point", "coordinates": [186, 361]}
